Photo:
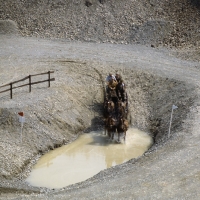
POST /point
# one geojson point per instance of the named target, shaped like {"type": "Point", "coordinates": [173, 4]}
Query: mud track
{"type": "Point", "coordinates": [156, 80]}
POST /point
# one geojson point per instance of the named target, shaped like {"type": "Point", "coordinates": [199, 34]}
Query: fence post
{"type": "Point", "coordinates": [49, 77]}
{"type": "Point", "coordinates": [11, 90]}
{"type": "Point", "coordinates": [29, 83]}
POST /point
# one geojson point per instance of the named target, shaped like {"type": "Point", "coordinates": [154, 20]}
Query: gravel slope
{"type": "Point", "coordinates": [172, 23]}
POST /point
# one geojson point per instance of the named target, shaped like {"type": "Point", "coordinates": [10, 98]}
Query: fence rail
{"type": "Point", "coordinates": [29, 83]}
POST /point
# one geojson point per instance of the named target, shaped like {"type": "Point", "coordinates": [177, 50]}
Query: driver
{"type": "Point", "coordinates": [109, 78]}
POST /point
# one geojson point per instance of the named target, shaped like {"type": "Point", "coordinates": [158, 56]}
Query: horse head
{"type": "Point", "coordinates": [121, 104]}
{"type": "Point", "coordinates": [110, 106]}
{"type": "Point", "coordinates": [121, 108]}
{"type": "Point", "coordinates": [111, 122]}
{"type": "Point", "coordinates": [123, 124]}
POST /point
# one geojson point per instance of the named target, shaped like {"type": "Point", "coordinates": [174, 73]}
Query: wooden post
{"type": "Point", "coordinates": [11, 90]}
{"type": "Point", "coordinates": [29, 83]}
{"type": "Point", "coordinates": [49, 77]}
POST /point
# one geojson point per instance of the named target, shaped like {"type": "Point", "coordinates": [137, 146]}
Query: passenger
{"type": "Point", "coordinates": [118, 77]}
{"type": "Point", "coordinates": [120, 90]}
{"type": "Point", "coordinates": [109, 78]}
{"type": "Point", "coordinates": [121, 81]}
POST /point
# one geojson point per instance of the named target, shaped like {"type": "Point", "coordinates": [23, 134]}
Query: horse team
{"type": "Point", "coordinates": [116, 107]}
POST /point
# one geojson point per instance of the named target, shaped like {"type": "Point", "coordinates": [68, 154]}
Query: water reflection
{"type": "Point", "coordinates": [85, 157]}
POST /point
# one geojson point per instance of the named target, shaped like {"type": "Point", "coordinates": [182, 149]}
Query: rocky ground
{"type": "Point", "coordinates": [159, 62]}
{"type": "Point", "coordinates": [173, 23]}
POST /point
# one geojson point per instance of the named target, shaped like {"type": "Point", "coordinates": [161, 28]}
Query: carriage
{"type": "Point", "coordinates": [116, 110]}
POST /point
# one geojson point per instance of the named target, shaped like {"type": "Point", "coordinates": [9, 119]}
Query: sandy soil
{"type": "Point", "coordinates": [156, 80]}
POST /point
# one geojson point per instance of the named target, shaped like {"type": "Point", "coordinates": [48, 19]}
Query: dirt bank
{"type": "Point", "coordinates": [172, 23]}
{"type": "Point", "coordinates": [55, 116]}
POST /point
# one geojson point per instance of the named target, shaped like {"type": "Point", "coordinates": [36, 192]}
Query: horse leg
{"type": "Point", "coordinates": [124, 136]}
{"type": "Point", "coordinates": [109, 134]}
{"type": "Point", "coordinates": [112, 137]}
{"type": "Point", "coordinates": [118, 136]}
{"type": "Point", "coordinates": [113, 133]}
{"type": "Point", "coordinates": [105, 131]}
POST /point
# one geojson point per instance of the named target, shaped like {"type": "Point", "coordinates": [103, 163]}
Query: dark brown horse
{"type": "Point", "coordinates": [116, 126]}
{"type": "Point", "coordinates": [109, 108]}
{"type": "Point", "coordinates": [121, 109]}
{"type": "Point", "coordinates": [122, 127]}
{"type": "Point", "coordinates": [111, 126]}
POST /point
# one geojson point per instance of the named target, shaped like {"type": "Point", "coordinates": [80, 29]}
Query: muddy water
{"type": "Point", "coordinates": [85, 157]}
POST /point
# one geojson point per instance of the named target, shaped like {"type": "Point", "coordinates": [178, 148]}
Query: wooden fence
{"type": "Point", "coordinates": [27, 84]}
